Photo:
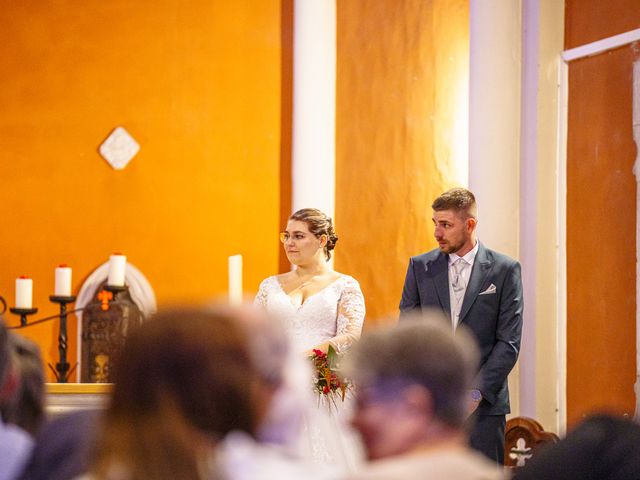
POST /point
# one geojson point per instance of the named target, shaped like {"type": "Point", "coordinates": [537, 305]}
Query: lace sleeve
{"type": "Point", "coordinates": [261, 297]}
{"type": "Point", "coordinates": [351, 312]}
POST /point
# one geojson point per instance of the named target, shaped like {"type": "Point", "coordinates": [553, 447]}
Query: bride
{"type": "Point", "coordinates": [320, 308]}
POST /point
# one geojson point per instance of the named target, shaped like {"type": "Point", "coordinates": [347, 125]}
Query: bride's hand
{"type": "Point", "coordinates": [323, 347]}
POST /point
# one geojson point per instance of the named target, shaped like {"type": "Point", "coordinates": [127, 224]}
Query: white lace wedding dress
{"type": "Point", "coordinates": [334, 314]}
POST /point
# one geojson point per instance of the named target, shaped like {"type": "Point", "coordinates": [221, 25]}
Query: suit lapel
{"type": "Point", "coordinates": [481, 268]}
{"type": "Point", "coordinates": [438, 270]}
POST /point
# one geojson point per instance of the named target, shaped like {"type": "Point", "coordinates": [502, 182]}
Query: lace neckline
{"type": "Point", "coordinates": [304, 302]}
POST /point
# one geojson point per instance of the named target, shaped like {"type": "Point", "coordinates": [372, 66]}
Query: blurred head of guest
{"type": "Point", "coordinates": [184, 380]}
{"type": "Point", "coordinates": [412, 382]}
{"type": "Point", "coordinates": [412, 385]}
{"type": "Point", "coordinates": [15, 443]}
{"type": "Point", "coordinates": [602, 447]}
{"type": "Point", "coordinates": [26, 409]}
{"type": "Point", "coordinates": [8, 374]}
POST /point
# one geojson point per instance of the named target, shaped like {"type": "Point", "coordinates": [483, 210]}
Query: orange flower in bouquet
{"type": "Point", "coordinates": [328, 381]}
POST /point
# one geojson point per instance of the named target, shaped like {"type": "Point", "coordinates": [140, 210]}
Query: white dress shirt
{"type": "Point", "coordinates": [465, 274]}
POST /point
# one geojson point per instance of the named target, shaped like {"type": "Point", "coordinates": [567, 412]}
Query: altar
{"type": "Point", "coordinates": [63, 398]}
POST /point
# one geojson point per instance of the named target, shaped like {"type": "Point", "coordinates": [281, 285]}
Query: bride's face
{"type": "Point", "coordinates": [300, 245]}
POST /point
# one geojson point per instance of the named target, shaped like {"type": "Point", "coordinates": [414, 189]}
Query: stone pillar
{"type": "Point", "coordinates": [314, 100]}
{"type": "Point", "coordinates": [494, 128]}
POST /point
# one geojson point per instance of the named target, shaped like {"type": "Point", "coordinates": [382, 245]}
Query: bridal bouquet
{"type": "Point", "coordinates": [328, 382]}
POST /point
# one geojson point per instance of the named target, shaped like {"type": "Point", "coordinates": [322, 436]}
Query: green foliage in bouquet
{"type": "Point", "coordinates": [328, 381]}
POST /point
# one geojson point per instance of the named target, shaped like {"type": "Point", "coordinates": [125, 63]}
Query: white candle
{"type": "Point", "coordinates": [235, 280]}
{"type": "Point", "coordinates": [24, 292]}
{"type": "Point", "coordinates": [63, 281]}
{"type": "Point", "coordinates": [117, 268]}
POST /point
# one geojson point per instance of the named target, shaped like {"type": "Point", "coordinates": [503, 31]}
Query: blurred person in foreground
{"type": "Point", "coordinates": [412, 403]}
{"type": "Point", "coordinates": [183, 381]}
{"type": "Point", "coordinates": [602, 447]}
{"type": "Point", "coordinates": [26, 409]}
{"type": "Point", "coordinates": [275, 451]}
{"type": "Point", "coordinates": [64, 446]}
{"type": "Point", "coordinates": [192, 397]}
{"type": "Point", "coordinates": [15, 443]}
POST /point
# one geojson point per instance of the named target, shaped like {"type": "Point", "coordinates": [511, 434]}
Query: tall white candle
{"type": "Point", "coordinates": [24, 292]}
{"type": "Point", "coordinates": [63, 281]}
{"type": "Point", "coordinates": [117, 268]}
{"type": "Point", "coordinates": [235, 280]}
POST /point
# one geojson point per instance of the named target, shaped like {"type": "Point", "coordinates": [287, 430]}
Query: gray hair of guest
{"type": "Point", "coordinates": [267, 341]}
{"type": "Point", "coordinates": [421, 350]}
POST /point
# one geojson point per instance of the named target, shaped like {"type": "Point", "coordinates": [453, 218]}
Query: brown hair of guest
{"type": "Point", "coordinates": [318, 223]}
{"type": "Point", "coordinates": [460, 200]}
{"type": "Point", "coordinates": [184, 380]}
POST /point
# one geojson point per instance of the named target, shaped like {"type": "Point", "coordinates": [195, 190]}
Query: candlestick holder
{"type": "Point", "coordinates": [114, 288]}
{"type": "Point", "coordinates": [23, 313]}
{"type": "Point", "coordinates": [62, 371]}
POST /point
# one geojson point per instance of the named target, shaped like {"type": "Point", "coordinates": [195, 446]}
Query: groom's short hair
{"type": "Point", "coordinates": [459, 200]}
{"type": "Point", "coordinates": [421, 350]}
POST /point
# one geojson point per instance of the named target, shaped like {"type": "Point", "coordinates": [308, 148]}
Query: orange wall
{"type": "Point", "coordinates": [590, 20]}
{"type": "Point", "coordinates": [286, 124]}
{"type": "Point", "coordinates": [198, 85]}
{"type": "Point", "coordinates": [398, 63]}
{"type": "Point", "coordinates": [601, 215]}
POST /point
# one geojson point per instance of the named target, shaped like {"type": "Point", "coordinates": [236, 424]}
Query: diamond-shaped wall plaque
{"type": "Point", "coordinates": [119, 148]}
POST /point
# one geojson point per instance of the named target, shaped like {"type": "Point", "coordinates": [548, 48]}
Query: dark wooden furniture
{"type": "Point", "coordinates": [523, 436]}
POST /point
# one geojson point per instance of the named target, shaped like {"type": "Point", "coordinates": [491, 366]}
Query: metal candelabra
{"type": "Point", "coordinates": [62, 371]}
{"type": "Point", "coordinates": [23, 313]}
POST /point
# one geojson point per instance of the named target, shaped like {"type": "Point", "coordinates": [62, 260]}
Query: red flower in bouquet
{"type": "Point", "coordinates": [328, 381]}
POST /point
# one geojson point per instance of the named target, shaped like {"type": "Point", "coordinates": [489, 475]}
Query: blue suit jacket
{"type": "Point", "coordinates": [495, 319]}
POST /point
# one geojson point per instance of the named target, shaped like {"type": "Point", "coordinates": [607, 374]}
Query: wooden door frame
{"type": "Point", "coordinates": [567, 56]}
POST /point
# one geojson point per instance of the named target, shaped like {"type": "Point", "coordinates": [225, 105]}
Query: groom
{"type": "Point", "coordinates": [478, 288]}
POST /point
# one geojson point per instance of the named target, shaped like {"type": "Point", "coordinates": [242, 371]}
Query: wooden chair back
{"type": "Point", "coordinates": [523, 436]}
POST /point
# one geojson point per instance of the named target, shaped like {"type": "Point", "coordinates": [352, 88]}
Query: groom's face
{"type": "Point", "coordinates": [453, 232]}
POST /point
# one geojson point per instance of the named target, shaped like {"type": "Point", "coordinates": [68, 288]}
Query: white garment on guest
{"type": "Point", "coordinates": [463, 265]}
{"type": "Point", "coordinates": [451, 464]}
{"type": "Point", "coordinates": [289, 405]}
{"type": "Point", "coordinates": [240, 457]}
{"type": "Point", "coordinates": [15, 449]}
{"type": "Point", "coordinates": [334, 314]}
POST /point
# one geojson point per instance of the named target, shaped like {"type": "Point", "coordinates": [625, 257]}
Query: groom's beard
{"type": "Point", "coordinates": [451, 247]}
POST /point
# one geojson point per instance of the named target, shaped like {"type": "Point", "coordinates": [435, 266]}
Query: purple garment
{"type": "Point", "coordinates": [64, 447]}
{"type": "Point", "coordinates": [15, 448]}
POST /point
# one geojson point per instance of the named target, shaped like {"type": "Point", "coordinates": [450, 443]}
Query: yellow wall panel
{"type": "Point", "coordinates": [198, 85]}
{"type": "Point", "coordinates": [402, 80]}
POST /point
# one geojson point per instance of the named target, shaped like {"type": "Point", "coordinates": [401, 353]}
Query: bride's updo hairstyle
{"type": "Point", "coordinates": [318, 223]}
